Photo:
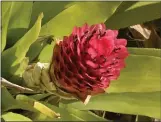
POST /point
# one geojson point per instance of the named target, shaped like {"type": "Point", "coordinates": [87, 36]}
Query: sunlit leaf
{"type": "Point", "coordinates": [46, 54]}
{"type": "Point", "coordinates": [77, 15]}
{"type": "Point", "coordinates": [10, 116]}
{"type": "Point", "coordinates": [145, 51]}
{"type": "Point", "coordinates": [142, 74]}
{"type": "Point", "coordinates": [38, 106]}
{"type": "Point", "coordinates": [144, 103]}
{"type": "Point", "coordinates": [6, 13]}
{"type": "Point", "coordinates": [12, 57]}
{"type": "Point", "coordinates": [68, 114]}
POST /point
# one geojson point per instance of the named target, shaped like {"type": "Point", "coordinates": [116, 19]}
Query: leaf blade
{"type": "Point", "coordinates": [12, 57]}
{"type": "Point", "coordinates": [137, 13]}
{"type": "Point", "coordinates": [10, 116]}
{"type": "Point", "coordinates": [78, 14]}
{"type": "Point", "coordinates": [138, 75]}
{"type": "Point", "coordinates": [147, 103]}
{"type": "Point", "coordinates": [6, 13]}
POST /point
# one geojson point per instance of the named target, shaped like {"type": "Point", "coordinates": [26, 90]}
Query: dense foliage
{"type": "Point", "coordinates": [29, 31]}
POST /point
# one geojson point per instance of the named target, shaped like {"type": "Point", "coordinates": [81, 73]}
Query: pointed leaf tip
{"type": "Point", "coordinates": [41, 15]}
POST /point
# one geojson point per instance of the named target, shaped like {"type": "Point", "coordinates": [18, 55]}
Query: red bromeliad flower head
{"type": "Point", "coordinates": [87, 60]}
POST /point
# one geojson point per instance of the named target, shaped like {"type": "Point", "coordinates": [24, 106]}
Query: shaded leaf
{"type": "Point", "coordinates": [20, 68]}
{"type": "Point", "coordinates": [40, 96]}
{"type": "Point", "coordinates": [20, 14]}
{"type": "Point", "coordinates": [38, 46]}
{"type": "Point", "coordinates": [12, 86]}
{"type": "Point", "coordinates": [19, 21]}
{"type": "Point", "coordinates": [14, 34]}
{"type": "Point", "coordinates": [135, 14]}
{"type": "Point", "coordinates": [38, 106]}
{"type": "Point", "coordinates": [144, 119]}
{"type": "Point", "coordinates": [83, 115]}
{"type": "Point", "coordinates": [49, 8]}
{"type": "Point", "coordinates": [9, 103]}
{"type": "Point", "coordinates": [124, 5]}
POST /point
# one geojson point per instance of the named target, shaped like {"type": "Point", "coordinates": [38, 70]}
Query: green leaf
{"type": "Point", "coordinates": [38, 106]}
{"type": "Point", "coordinates": [85, 115]}
{"type": "Point", "coordinates": [137, 13]}
{"type": "Point", "coordinates": [7, 99]}
{"type": "Point", "coordinates": [46, 54]}
{"type": "Point", "coordinates": [82, 115]}
{"type": "Point", "coordinates": [13, 56]}
{"type": "Point", "coordinates": [14, 34]}
{"type": "Point", "coordinates": [40, 96]}
{"type": "Point", "coordinates": [20, 14]}
{"type": "Point", "coordinates": [20, 68]}
{"type": "Point", "coordinates": [9, 103]}
{"type": "Point", "coordinates": [19, 21]}
{"type": "Point", "coordinates": [124, 5]}
{"type": "Point", "coordinates": [10, 116]}
{"type": "Point", "coordinates": [38, 46]}
{"type": "Point", "coordinates": [67, 114]}
{"type": "Point", "coordinates": [49, 8]}
{"type": "Point", "coordinates": [77, 15]}
{"type": "Point", "coordinates": [5, 7]}
{"type": "Point", "coordinates": [6, 13]}
{"type": "Point", "coordinates": [145, 51]}
{"type": "Point", "coordinates": [142, 74]}
{"type": "Point", "coordinates": [144, 103]}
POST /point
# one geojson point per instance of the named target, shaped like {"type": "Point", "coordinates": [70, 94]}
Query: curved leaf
{"type": "Point", "coordinates": [83, 115]}
{"type": "Point", "coordinates": [142, 74]}
{"type": "Point", "coordinates": [12, 57]}
{"type": "Point", "coordinates": [36, 48]}
{"type": "Point", "coordinates": [46, 54]}
{"type": "Point", "coordinates": [19, 21]}
{"type": "Point", "coordinates": [147, 103]}
{"type": "Point", "coordinates": [49, 8]}
{"type": "Point", "coordinates": [38, 106]}
{"type": "Point", "coordinates": [10, 116]}
{"type": "Point", "coordinates": [20, 14]}
{"type": "Point", "coordinates": [68, 114]}
{"type": "Point", "coordinates": [124, 5]}
{"type": "Point", "coordinates": [77, 15]}
{"type": "Point", "coordinates": [9, 103]}
{"type": "Point", "coordinates": [137, 13]}
{"type": "Point", "coordinates": [6, 13]}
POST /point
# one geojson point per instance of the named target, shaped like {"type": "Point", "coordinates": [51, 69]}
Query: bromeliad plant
{"type": "Point", "coordinates": [84, 63]}
{"type": "Point", "coordinates": [53, 72]}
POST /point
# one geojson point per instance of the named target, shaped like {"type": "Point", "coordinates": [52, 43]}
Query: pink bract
{"type": "Point", "coordinates": [85, 62]}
